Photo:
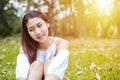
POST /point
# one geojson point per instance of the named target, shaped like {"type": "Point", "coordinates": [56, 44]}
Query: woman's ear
{"type": "Point", "coordinates": [48, 25]}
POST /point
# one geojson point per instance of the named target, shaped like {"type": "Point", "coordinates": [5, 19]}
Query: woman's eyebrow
{"type": "Point", "coordinates": [30, 27]}
{"type": "Point", "coordinates": [36, 24]}
{"type": "Point", "coordinates": [39, 23]}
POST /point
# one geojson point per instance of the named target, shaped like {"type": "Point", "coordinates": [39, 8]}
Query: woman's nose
{"type": "Point", "coordinates": [38, 31]}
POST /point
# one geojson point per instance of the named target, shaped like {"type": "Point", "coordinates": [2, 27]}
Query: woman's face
{"type": "Point", "coordinates": [37, 29]}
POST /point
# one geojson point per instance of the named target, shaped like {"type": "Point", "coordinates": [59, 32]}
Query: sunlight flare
{"type": "Point", "coordinates": [104, 6]}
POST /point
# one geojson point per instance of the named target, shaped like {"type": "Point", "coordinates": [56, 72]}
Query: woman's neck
{"type": "Point", "coordinates": [45, 45]}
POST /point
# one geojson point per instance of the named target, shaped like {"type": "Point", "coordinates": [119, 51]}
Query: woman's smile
{"type": "Point", "coordinates": [37, 29]}
{"type": "Point", "coordinates": [40, 36]}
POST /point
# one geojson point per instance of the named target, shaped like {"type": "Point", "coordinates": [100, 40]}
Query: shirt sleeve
{"type": "Point", "coordinates": [59, 64]}
{"type": "Point", "coordinates": [22, 66]}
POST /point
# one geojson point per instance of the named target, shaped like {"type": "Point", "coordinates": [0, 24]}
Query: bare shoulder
{"type": "Point", "coordinates": [21, 50]}
{"type": "Point", "coordinates": [21, 79]}
{"type": "Point", "coordinates": [62, 43]}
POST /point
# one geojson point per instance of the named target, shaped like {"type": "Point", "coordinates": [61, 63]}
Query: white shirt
{"type": "Point", "coordinates": [57, 66]}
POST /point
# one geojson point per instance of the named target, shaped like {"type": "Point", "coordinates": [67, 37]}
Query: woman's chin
{"type": "Point", "coordinates": [42, 39]}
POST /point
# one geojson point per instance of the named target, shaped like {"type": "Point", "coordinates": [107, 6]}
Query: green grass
{"type": "Point", "coordinates": [8, 52]}
{"type": "Point", "coordinates": [90, 59]}
{"type": "Point", "coordinates": [102, 55]}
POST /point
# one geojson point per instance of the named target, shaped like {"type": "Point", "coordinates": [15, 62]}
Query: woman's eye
{"type": "Point", "coordinates": [39, 25]}
{"type": "Point", "coordinates": [31, 30]}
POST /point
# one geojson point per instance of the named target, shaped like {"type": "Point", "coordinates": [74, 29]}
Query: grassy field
{"type": "Point", "coordinates": [90, 59]}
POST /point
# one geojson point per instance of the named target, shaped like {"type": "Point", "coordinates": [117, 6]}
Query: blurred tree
{"type": "Point", "coordinates": [48, 7]}
{"type": "Point", "coordinates": [65, 12]}
{"type": "Point", "coordinates": [81, 19]}
{"type": "Point", "coordinates": [7, 19]}
{"type": "Point", "coordinates": [116, 13]}
{"type": "Point", "coordinates": [78, 18]}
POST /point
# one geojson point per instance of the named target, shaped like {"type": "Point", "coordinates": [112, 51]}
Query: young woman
{"type": "Point", "coordinates": [41, 57]}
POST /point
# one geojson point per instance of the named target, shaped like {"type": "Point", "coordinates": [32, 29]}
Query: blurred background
{"type": "Point", "coordinates": [91, 26]}
{"type": "Point", "coordinates": [75, 18]}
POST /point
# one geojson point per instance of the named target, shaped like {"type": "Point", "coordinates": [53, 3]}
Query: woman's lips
{"type": "Point", "coordinates": [40, 36]}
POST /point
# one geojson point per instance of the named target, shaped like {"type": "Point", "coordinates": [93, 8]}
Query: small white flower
{"type": "Point", "coordinates": [92, 66]}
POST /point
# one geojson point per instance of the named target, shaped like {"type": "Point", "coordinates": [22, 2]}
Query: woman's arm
{"type": "Point", "coordinates": [22, 66]}
{"type": "Point", "coordinates": [62, 44]}
{"type": "Point", "coordinates": [21, 79]}
{"type": "Point", "coordinates": [59, 63]}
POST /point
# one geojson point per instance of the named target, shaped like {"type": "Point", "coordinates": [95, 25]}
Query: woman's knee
{"type": "Point", "coordinates": [46, 65]}
{"type": "Point", "coordinates": [52, 77]}
{"type": "Point", "coordinates": [36, 64]}
{"type": "Point", "coordinates": [36, 71]}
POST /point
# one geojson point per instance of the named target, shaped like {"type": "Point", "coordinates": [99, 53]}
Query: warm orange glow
{"type": "Point", "coordinates": [104, 6]}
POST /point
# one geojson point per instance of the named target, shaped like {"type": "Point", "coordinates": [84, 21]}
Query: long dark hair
{"type": "Point", "coordinates": [29, 45]}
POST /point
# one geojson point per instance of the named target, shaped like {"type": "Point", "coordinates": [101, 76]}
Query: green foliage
{"type": "Point", "coordinates": [8, 20]}
{"type": "Point", "coordinates": [90, 59]}
{"type": "Point", "coordinates": [78, 18]}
